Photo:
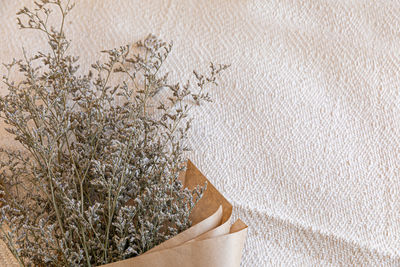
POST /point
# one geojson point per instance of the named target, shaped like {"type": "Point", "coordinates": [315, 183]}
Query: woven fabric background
{"type": "Point", "coordinates": [303, 135]}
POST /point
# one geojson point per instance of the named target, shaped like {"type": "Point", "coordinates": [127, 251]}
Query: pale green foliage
{"type": "Point", "coordinates": [96, 179]}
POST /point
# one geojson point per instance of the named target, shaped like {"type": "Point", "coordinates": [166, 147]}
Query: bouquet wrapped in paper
{"type": "Point", "coordinates": [94, 179]}
{"type": "Point", "coordinates": [211, 241]}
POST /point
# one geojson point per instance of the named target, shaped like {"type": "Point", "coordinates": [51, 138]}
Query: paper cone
{"type": "Point", "coordinates": [211, 241]}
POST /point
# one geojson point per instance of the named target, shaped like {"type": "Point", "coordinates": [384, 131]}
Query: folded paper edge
{"type": "Point", "coordinates": [208, 224]}
{"type": "Point", "coordinates": [220, 251]}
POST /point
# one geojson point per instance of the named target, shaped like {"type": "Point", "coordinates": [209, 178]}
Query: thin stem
{"type": "Point", "coordinates": [12, 248]}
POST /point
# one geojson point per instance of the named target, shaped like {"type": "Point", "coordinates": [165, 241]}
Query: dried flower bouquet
{"type": "Point", "coordinates": [96, 178]}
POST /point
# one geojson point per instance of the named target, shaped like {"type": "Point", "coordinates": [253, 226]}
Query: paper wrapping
{"type": "Point", "coordinates": [212, 241]}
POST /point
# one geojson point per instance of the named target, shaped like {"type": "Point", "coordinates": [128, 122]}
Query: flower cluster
{"type": "Point", "coordinates": [96, 179]}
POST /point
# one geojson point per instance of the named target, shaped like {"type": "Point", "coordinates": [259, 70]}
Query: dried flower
{"type": "Point", "coordinates": [96, 180]}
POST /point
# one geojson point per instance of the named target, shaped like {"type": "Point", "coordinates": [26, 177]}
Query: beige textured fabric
{"type": "Point", "coordinates": [303, 137]}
